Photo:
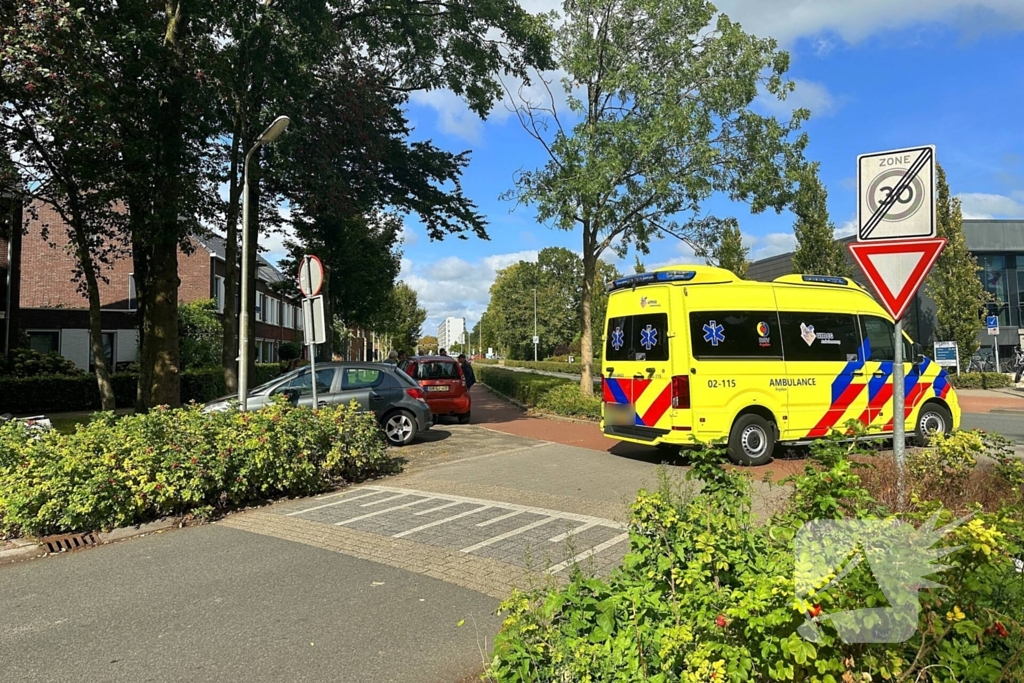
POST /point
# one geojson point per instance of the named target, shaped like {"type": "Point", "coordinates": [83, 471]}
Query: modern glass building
{"type": "Point", "coordinates": [998, 246]}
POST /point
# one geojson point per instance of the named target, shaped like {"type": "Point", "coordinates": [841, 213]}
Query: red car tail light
{"type": "Point", "coordinates": [417, 393]}
{"type": "Point", "coordinates": [681, 391]}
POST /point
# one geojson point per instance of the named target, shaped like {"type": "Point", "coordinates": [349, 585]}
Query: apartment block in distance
{"type": "Point", "coordinates": [450, 331]}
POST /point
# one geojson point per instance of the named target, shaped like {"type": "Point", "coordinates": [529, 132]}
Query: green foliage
{"type": "Point", "coordinates": [289, 350]}
{"type": "Point", "coordinates": [199, 334]}
{"type": "Point", "coordinates": [980, 380]}
{"type": "Point", "coordinates": [554, 394]}
{"type": "Point", "coordinates": [729, 252]}
{"type": "Point", "coordinates": [817, 251]}
{"type": "Point", "coordinates": [31, 363]}
{"type": "Point", "coordinates": [62, 393]}
{"type": "Point", "coordinates": [953, 283]}
{"type": "Point", "coordinates": [707, 594]}
{"type": "Point", "coordinates": [640, 159]}
{"type": "Point", "coordinates": [401, 317]}
{"type": "Point", "coordinates": [114, 472]}
{"type": "Point", "coordinates": [427, 345]}
{"type": "Point", "coordinates": [557, 275]}
{"type": "Point", "coordinates": [568, 401]}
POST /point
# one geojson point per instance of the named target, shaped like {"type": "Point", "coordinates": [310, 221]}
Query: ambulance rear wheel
{"type": "Point", "coordinates": [751, 441]}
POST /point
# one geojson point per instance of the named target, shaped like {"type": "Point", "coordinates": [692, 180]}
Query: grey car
{"type": "Point", "coordinates": [395, 398]}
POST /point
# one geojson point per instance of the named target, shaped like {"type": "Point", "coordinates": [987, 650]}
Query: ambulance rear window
{"type": "Point", "coordinates": [637, 338]}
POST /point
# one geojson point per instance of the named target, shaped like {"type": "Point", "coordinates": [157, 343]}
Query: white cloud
{"type": "Point", "coordinates": [807, 95]}
{"type": "Point", "coordinates": [453, 116]}
{"type": "Point", "coordinates": [455, 287]}
{"type": "Point", "coordinates": [409, 236]}
{"type": "Point", "coordinates": [847, 229]}
{"type": "Point", "coordinates": [772, 244]}
{"type": "Point", "coordinates": [984, 205]}
{"type": "Point", "coordinates": [855, 20]}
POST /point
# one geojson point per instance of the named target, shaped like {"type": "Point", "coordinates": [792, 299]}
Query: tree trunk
{"type": "Point", "coordinates": [229, 318]}
{"type": "Point", "coordinates": [586, 300]}
{"type": "Point", "coordinates": [99, 357]}
{"type": "Point", "coordinates": [160, 353]}
{"type": "Point", "coordinates": [141, 259]}
{"type": "Point", "coordinates": [328, 346]}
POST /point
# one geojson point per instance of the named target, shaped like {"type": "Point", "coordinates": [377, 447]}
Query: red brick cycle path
{"type": "Point", "coordinates": [493, 413]}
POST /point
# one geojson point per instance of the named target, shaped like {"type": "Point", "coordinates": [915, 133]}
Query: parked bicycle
{"type": "Point", "coordinates": [979, 363]}
{"type": "Point", "coordinates": [1016, 364]}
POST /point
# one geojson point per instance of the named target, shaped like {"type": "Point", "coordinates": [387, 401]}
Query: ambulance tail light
{"type": "Point", "coordinates": [681, 391]}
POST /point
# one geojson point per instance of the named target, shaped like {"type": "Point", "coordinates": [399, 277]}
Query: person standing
{"type": "Point", "coordinates": [467, 371]}
{"type": "Point", "coordinates": [442, 352]}
{"type": "Point", "coordinates": [392, 358]}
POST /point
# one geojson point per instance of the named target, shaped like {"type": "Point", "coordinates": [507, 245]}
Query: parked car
{"type": "Point", "coordinates": [445, 386]}
{"type": "Point", "coordinates": [395, 398]}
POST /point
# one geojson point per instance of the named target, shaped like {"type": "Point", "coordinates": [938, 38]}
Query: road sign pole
{"type": "Point", "coordinates": [899, 430]}
{"type": "Point", "coordinates": [995, 349]}
{"type": "Point", "coordinates": [312, 361]}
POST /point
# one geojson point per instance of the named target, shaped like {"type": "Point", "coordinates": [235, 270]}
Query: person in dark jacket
{"type": "Point", "coordinates": [467, 371]}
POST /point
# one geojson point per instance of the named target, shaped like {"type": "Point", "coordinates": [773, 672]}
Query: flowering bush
{"type": "Point", "coordinates": [707, 594]}
{"type": "Point", "coordinates": [119, 471]}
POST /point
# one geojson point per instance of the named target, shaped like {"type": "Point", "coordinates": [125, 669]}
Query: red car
{"type": "Point", "coordinates": [444, 384]}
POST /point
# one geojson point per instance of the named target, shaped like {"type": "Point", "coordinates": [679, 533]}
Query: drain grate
{"type": "Point", "coordinates": [60, 544]}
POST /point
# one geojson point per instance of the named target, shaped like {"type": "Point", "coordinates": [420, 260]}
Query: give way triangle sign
{"type": "Point", "coordinates": [896, 269]}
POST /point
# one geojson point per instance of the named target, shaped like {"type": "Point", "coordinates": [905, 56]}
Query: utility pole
{"type": "Point", "coordinates": [535, 339]}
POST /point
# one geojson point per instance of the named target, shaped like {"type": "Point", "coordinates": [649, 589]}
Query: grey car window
{"type": "Point", "coordinates": [304, 384]}
{"type": "Point", "coordinates": [361, 378]}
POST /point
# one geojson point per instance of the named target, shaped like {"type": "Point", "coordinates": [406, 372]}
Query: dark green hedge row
{"type": "Point", "coordinates": [550, 394]}
{"type": "Point", "coordinates": [980, 380]}
{"type": "Point", "coordinates": [63, 393]}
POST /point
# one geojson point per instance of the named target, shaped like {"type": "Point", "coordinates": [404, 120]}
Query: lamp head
{"type": "Point", "coordinates": [275, 129]}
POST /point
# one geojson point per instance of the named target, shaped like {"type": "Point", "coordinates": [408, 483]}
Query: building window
{"type": "Point", "coordinates": [219, 292]}
{"type": "Point", "coordinates": [272, 311]}
{"type": "Point", "coordinates": [260, 306]}
{"type": "Point", "coordinates": [44, 342]}
{"type": "Point", "coordinates": [995, 278]}
{"type": "Point", "coordinates": [108, 350]}
{"type": "Point", "coordinates": [133, 293]}
{"type": "Point", "coordinates": [288, 317]}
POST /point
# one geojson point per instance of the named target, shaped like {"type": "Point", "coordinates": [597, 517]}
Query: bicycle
{"type": "Point", "coordinates": [980, 364]}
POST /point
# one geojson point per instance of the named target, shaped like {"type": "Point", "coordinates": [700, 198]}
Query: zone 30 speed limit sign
{"type": "Point", "coordinates": [896, 192]}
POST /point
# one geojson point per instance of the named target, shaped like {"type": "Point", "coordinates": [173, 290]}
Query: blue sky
{"type": "Point", "coordinates": [876, 74]}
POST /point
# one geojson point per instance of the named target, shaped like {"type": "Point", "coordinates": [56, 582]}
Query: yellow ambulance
{"type": "Point", "coordinates": [695, 353]}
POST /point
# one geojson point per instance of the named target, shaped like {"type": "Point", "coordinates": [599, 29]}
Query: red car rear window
{"type": "Point", "coordinates": [436, 370]}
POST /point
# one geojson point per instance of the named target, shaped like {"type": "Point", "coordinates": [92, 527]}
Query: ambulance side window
{"type": "Point", "coordinates": [880, 335]}
{"type": "Point", "coordinates": [748, 335]}
{"type": "Point", "coordinates": [820, 337]}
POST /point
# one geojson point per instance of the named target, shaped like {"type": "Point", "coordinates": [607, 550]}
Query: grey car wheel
{"type": "Point", "coordinates": [400, 428]}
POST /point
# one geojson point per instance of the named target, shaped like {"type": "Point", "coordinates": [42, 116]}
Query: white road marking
{"type": "Point", "coordinates": [441, 507]}
{"type": "Point", "coordinates": [402, 534]}
{"type": "Point", "coordinates": [337, 502]}
{"type": "Point", "coordinates": [381, 512]}
{"type": "Point", "coordinates": [507, 534]}
{"type": "Point", "coordinates": [502, 518]}
{"type": "Point", "coordinates": [509, 506]}
{"type": "Point", "coordinates": [554, 569]}
{"type": "Point", "coordinates": [383, 500]}
{"type": "Point", "coordinates": [572, 532]}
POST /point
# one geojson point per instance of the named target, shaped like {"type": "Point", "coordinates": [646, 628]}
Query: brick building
{"type": "Point", "coordinates": [41, 298]}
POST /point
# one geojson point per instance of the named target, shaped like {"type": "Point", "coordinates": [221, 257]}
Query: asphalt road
{"type": "Point", "coordinates": [1010, 425]}
{"type": "Point", "coordinates": [216, 604]}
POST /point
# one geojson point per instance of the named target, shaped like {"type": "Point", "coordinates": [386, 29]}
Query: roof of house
{"type": "Point", "coordinates": [217, 246]}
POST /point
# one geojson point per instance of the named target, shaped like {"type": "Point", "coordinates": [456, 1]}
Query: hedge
{"type": "Point", "coordinates": [544, 365]}
{"type": "Point", "coordinates": [980, 380]}
{"type": "Point", "coordinates": [119, 471]}
{"type": "Point", "coordinates": [551, 394]}
{"type": "Point", "coordinates": [65, 393]}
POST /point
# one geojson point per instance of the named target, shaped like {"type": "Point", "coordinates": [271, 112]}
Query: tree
{"type": "Point", "coordinates": [959, 293]}
{"type": "Point", "coordinates": [639, 266]}
{"type": "Point", "coordinates": [729, 252]}
{"type": "Point", "coordinates": [401, 317]}
{"type": "Point", "coordinates": [817, 251]}
{"type": "Point", "coordinates": [557, 275]}
{"type": "Point", "coordinates": [55, 134]}
{"type": "Point", "coordinates": [660, 95]}
{"type": "Point", "coordinates": [427, 345]}
{"type": "Point", "coordinates": [200, 333]}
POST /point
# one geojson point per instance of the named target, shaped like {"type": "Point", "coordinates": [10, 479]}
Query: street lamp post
{"type": "Point", "coordinates": [534, 324]}
{"type": "Point", "coordinates": [272, 132]}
